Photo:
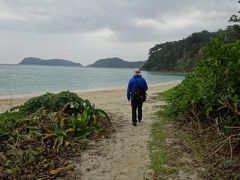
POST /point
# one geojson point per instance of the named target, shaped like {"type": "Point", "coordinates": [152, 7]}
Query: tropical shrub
{"type": "Point", "coordinates": [35, 135]}
{"type": "Point", "coordinates": [211, 92]}
{"type": "Point", "coordinates": [53, 102]}
{"type": "Point", "coordinates": [209, 98]}
{"type": "Point", "coordinates": [210, 95]}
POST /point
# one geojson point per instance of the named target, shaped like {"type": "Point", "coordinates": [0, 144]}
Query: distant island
{"type": "Point", "coordinates": [116, 63]}
{"type": "Point", "coordinates": [49, 62]}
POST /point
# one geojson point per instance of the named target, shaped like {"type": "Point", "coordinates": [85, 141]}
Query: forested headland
{"type": "Point", "coordinates": [183, 55]}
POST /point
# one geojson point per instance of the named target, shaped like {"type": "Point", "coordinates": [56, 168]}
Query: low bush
{"type": "Point", "coordinates": [210, 97]}
{"type": "Point", "coordinates": [211, 92]}
{"type": "Point", "coordinates": [53, 102]}
{"type": "Point", "coordinates": [37, 137]}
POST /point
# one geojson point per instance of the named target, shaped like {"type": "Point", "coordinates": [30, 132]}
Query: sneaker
{"type": "Point", "coordinates": [134, 123]}
{"type": "Point", "coordinates": [139, 120]}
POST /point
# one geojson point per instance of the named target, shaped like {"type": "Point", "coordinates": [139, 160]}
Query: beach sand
{"type": "Point", "coordinates": [99, 97]}
{"type": "Point", "coordinates": [125, 154]}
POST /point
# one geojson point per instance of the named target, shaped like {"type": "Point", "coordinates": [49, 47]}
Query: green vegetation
{"type": "Point", "coordinates": [38, 137]}
{"type": "Point", "coordinates": [212, 90]}
{"type": "Point", "coordinates": [210, 97]}
{"type": "Point", "coordinates": [183, 55]}
{"type": "Point", "coordinates": [116, 63]}
{"type": "Point", "coordinates": [158, 150]}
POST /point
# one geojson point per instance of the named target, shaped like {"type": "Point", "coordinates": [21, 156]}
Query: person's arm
{"type": "Point", "coordinates": [129, 90]}
{"type": "Point", "coordinates": [145, 85]}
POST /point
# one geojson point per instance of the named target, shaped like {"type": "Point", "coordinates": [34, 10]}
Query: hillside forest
{"type": "Point", "coordinates": [183, 55]}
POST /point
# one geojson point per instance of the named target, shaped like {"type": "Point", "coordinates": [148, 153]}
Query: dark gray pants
{"type": "Point", "coordinates": [136, 111]}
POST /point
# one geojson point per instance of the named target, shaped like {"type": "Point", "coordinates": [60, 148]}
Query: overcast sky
{"type": "Point", "coordinates": [87, 30]}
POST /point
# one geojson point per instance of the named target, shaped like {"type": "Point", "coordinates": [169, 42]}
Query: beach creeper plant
{"type": "Point", "coordinates": [38, 136]}
{"type": "Point", "coordinates": [54, 102]}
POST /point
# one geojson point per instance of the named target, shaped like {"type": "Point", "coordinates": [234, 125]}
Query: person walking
{"type": "Point", "coordinates": [136, 93]}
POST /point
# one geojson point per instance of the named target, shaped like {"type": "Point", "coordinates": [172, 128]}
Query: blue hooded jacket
{"type": "Point", "coordinates": [137, 81]}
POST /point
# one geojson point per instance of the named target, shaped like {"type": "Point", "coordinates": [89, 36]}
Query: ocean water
{"type": "Point", "coordinates": [31, 79]}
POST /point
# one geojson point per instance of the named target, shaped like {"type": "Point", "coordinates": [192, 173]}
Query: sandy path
{"type": "Point", "coordinates": [125, 155]}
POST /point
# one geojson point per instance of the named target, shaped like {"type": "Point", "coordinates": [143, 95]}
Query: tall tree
{"type": "Point", "coordinates": [235, 18]}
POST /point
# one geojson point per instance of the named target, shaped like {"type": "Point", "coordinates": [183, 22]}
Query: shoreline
{"type": "Point", "coordinates": [30, 95]}
{"type": "Point", "coordinates": [96, 96]}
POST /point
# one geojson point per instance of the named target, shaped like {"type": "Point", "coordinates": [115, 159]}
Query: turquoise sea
{"type": "Point", "coordinates": [30, 79]}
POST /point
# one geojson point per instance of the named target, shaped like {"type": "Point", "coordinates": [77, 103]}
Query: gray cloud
{"type": "Point", "coordinates": [112, 21]}
{"type": "Point", "coordinates": [78, 16]}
